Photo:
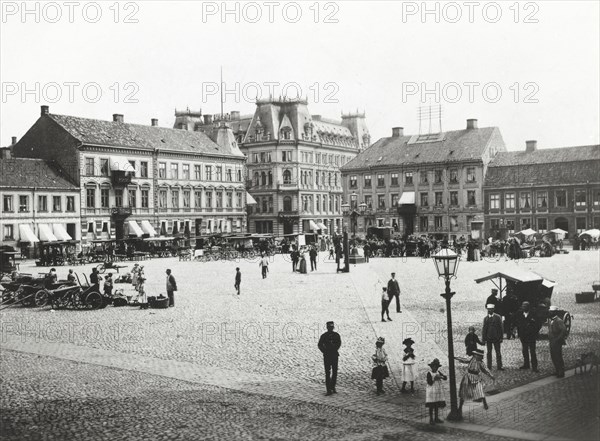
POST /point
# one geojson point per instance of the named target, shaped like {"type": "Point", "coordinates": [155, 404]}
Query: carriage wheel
{"type": "Point", "coordinates": [567, 319]}
{"type": "Point", "coordinates": [41, 298]}
{"type": "Point", "coordinates": [93, 300]}
{"type": "Point", "coordinates": [101, 268]}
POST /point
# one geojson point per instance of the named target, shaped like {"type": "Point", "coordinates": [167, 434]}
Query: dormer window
{"type": "Point", "coordinates": [286, 133]}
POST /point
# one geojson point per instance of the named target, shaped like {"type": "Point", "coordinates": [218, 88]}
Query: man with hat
{"type": "Point", "coordinates": [528, 334]}
{"type": "Point", "coordinates": [393, 290]}
{"type": "Point", "coordinates": [493, 299]}
{"type": "Point", "coordinates": [329, 344]}
{"type": "Point", "coordinates": [492, 335]}
{"type": "Point", "coordinates": [557, 334]}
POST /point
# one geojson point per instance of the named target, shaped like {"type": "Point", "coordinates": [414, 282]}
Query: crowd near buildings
{"type": "Point", "coordinates": [282, 171]}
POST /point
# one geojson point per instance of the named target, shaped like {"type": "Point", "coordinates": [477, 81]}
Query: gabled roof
{"type": "Point", "coordinates": [117, 134]}
{"type": "Point", "coordinates": [547, 156]}
{"type": "Point", "coordinates": [29, 173]}
{"type": "Point", "coordinates": [454, 146]}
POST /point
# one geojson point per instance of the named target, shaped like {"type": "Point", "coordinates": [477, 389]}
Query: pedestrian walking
{"type": "Point", "coordinates": [295, 255]}
{"type": "Point", "coordinates": [108, 285]}
{"type": "Point", "coordinates": [408, 367]}
{"type": "Point", "coordinates": [380, 370]}
{"type": "Point", "coordinates": [385, 304]}
{"type": "Point", "coordinates": [472, 340]}
{"type": "Point", "coordinates": [302, 265]}
{"type": "Point", "coordinates": [528, 334]}
{"type": "Point", "coordinates": [142, 296]}
{"type": "Point", "coordinates": [393, 289]}
{"type": "Point", "coordinates": [329, 345]}
{"type": "Point", "coordinates": [471, 386]}
{"type": "Point", "coordinates": [171, 288]}
{"type": "Point", "coordinates": [367, 252]}
{"type": "Point", "coordinates": [492, 336]}
{"type": "Point", "coordinates": [434, 392]}
{"type": "Point", "coordinates": [331, 256]}
{"type": "Point", "coordinates": [557, 334]}
{"type": "Point", "coordinates": [313, 258]}
{"type": "Point", "coordinates": [264, 265]}
{"type": "Point", "coordinates": [238, 280]}
{"type": "Point", "coordinates": [134, 275]}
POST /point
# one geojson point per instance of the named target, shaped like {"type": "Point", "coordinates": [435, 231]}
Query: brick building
{"type": "Point", "coordinates": [543, 190]}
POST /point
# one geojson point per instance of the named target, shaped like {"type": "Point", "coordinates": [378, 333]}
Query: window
{"type": "Point", "coordinates": [229, 199]}
{"type": "Point", "coordinates": [197, 198]}
{"type": "Point", "coordinates": [408, 178]}
{"type": "Point", "coordinates": [104, 198]}
{"type": "Point", "coordinates": [89, 166]}
{"type": "Point", "coordinates": [175, 198]}
{"type": "Point", "coordinates": [424, 199]}
{"type": "Point", "coordinates": [197, 172]}
{"type": "Point", "coordinates": [494, 202]}
{"type": "Point", "coordinates": [209, 199]}
{"type": "Point", "coordinates": [317, 158]}
{"type": "Point", "coordinates": [470, 174]}
{"type": "Point", "coordinates": [454, 198]}
{"type": "Point", "coordinates": [118, 197]}
{"type": "Point", "coordinates": [381, 201]}
{"type": "Point", "coordinates": [208, 173]}
{"type": "Point", "coordinates": [394, 178]}
{"type": "Point", "coordinates": [187, 195]}
{"type": "Point", "coordinates": [395, 199]}
{"type": "Point", "coordinates": [561, 198]}
{"type": "Point", "coordinates": [132, 163]}
{"type": "Point", "coordinates": [423, 223]}
{"type": "Point", "coordinates": [525, 202]}
{"type": "Point", "coordinates": [367, 181]}
{"type": "Point", "coordinates": [143, 169]}
{"type": "Point", "coordinates": [219, 199]}
{"type": "Point", "coordinates": [454, 223]}
{"type": "Point", "coordinates": [70, 203]}
{"type": "Point", "coordinates": [471, 198]}
{"type": "Point", "coordinates": [287, 177]}
{"type": "Point", "coordinates": [239, 175]}
{"type": "Point", "coordinates": [103, 167]}
{"type": "Point", "coordinates": [9, 232]}
{"type": "Point", "coordinates": [438, 222]}
{"type": "Point", "coordinates": [318, 203]}
{"type": "Point", "coordinates": [439, 199]}
{"type": "Point", "coordinates": [264, 204]}
{"type": "Point", "coordinates": [219, 173]}
{"type": "Point", "coordinates": [255, 157]}
{"type": "Point", "coordinates": [162, 199]}
{"type": "Point", "coordinates": [145, 198]}
{"type": "Point", "coordinates": [380, 180]}
{"type": "Point", "coordinates": [7, 203]}
{"type": "Point", "coordinates": [353, 182]}
{"type": "Point", "coordinates": [42, 203]}
{"type": "Point", "coordinates": [229, 175]}
{"type": "Point", "coordinates": [185, 171]}
{"type": "Point", "coordinates": [542, 199]}
{"type": "Point", "coordinates": [437, 178]}
{"type": "Point", "coordinates": [286, 156]}
{"type": "Point", "coordinates": [174, 171]}
{"type": "Point", "coordinates": [132, 197]}
{"type": "Point", "coordinates": [494, 224]}
{"type": "Point", "coordinates": [423, 177]}
{"type": "Point", "coordinates": [90, 197]}
{"type": "Point", "coordinates": [509, 201]}
{"type": "Point", "coordinates": [580, 224]}
{"type": "Point", "coordinates": [542, 225]}
{"type": "Point", "coordinates": [596, 198]}
{"type": "Point", "coordinates": [239, 199]}
{"type": "Point", "coordinates": [510, 225]}
{"type": "Point", "coordinates": [369, 201]}
{"type": "Point", "coordinates": [525, 223]}
{"type": "Point", "coordinates": [454, 176]}
{"type": "Point", "coordinates": [580, 198]}
{"type": "Point", "coordinates": [162, 170]}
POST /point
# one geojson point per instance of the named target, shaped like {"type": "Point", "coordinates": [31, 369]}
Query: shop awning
{"type": "Point", "coordinates": [134, 228]}
{"type": "Point", "coordinates": [148, 229]}
{"type": "Point", "coordinates": [250, 200]}
{"type": "Point", "coordinates": [313, 225]}
{"type": "Point", "coordinates": [322, 226]}
{"type": "Point", "coordinates": [121, 163]}
{"type": "Point", "coordinates": [408, 197]}
{"type": "Point", "coordinates": [26, 234]}
{"type": "Point", "coordinates": [46, 234]}
{"type": "Point", "coordinates": [60, 232]}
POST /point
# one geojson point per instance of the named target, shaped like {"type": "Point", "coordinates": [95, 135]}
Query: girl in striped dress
{"type": "Point", "coordinates": [434, 393]}
{"type": "Point", "coordinates": [471, 387]}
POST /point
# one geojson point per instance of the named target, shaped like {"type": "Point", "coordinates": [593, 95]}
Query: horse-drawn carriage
{"type": "Point", "coordinates": [7, 260]}
{"type": "Point", "coordinates": [57, 253]}
{"type": "Point", "coordinates": [23, 289]}
{"type": "Point", "coordinates": [516, 286]}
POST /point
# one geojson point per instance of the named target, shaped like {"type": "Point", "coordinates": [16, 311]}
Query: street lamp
{"type": "Point", "coordinates": [446, 265]}
{"type": "Point", "coordinates": [346, 212]}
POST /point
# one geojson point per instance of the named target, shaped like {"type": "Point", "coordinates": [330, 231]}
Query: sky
{"type": "Point", "coordinates": [529, 68]}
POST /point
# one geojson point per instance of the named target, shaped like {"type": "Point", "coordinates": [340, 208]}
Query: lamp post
{"type": "Point", "coordinates": [346, 212]}
{"type": "Point", "coordinates": [446, 264]}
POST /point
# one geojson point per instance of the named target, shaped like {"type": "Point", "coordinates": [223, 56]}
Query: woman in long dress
{"type": "Point", "coordinates": [380, 369]}
{"type": "Point", "coordinates": [302, 263]}
{"type": "Point", "coordinates": [471, 386]}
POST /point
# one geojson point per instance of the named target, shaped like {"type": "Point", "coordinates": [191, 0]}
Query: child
{"type": "Point", "coordinates": [470, 386]}
{"type": "Point", "coordinates": [471, 341]}
{"type": "Point", "coordinates": [385, 304]}
{"type": "Point", "coordinates": [434, 393]}
{"type": "Point", "coordinates": [380, 369]}
{"type": "Point", "coordinates": [408, 373]}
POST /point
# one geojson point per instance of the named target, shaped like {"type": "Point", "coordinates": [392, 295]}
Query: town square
{"type": "Point", "coordinates": [299, 221]}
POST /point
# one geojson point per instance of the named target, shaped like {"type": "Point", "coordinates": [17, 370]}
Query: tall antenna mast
{"type": "Point", "coordinates": [221, 93]}
{"type": "Point", "coordinates": [430, 114]}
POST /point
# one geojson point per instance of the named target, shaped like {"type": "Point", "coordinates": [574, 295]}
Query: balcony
{"type": "Point", "coordinates": [121, 211]}
{"type": "Point", "coordinates": [120, 178]}
{"type": "Point", "coordinates": [287, 185]}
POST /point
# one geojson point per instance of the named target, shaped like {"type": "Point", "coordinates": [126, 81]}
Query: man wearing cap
{"type": "Point", "coordinates": [492, 336]}
{"type": "Point", "coordinates": [393, 289]}
{"type": "Point", "coordinates": [329, 344]}
{"type": "Point", "coordinates": [492, 299]}
{"type": "Point", "coordinates": [528, 334]}
{"type": "Point", "coordinates": [557, 333]}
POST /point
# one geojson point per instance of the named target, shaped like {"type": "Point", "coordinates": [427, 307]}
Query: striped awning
{"type": "Point", "coordinates": [322, 226]}
{"type": "Point", "coordinates": [46, 234]}
{"type": "Point", "coordinates": [26, 234]}
{"type": "Point", "coordinates": [134, 229]}
{"type": "Point", "coordinates": [120, 163]}
{"type": "Point", "coordinates": [313, 225]}
{"type": "Point", "coordinates": [60, 232]}
{"type": "Point", "coordinates": [250, 200]}
{"type": "Point", "coordinates": [148, 229]}
{"type": "Point", "coordinates": [408, 197]}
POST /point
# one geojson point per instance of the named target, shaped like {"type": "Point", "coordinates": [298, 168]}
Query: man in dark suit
{"type": "Point", "coordinates": [492, 336]}
{"type": "Point", "coordinates": [493, 299]}
{"type": "Point", "coordinates": [528, 334]}
{"type": "Point", "coordinates": [171, 287]}
{"type": "Point", "coordinates": [313, 258]}
{"type": "Point", "coordinates": [393, 289]}
{"type": "Point", "coordinates": [557, 334]}
{"type": "Point", "coordinates": [329, 344]}
{"type": "Point", "coordinates": [238, 280]}
{"type": "Point", "coordinates": [295, 256]}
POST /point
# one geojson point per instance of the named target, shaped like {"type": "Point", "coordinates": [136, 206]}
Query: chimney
{"type": "Point", "coordinates": [471, 124]}
{"type": "Point", "coordinates": [45, 110]}
{"type": "Point", "coordinates": [235, 115]}
{"type": "Point", "coordinates": [117, 117]}
{"type": "Point", "coordinates": [397, 132]}
{"type": "Point", "coordinates": [154, 122]}
{"type": "Point", "coordinates": [13, 140]}
{"type": "Point", "coordinates": [530, 146]}
{"type": "Point", "coordinates": [207, 119]}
